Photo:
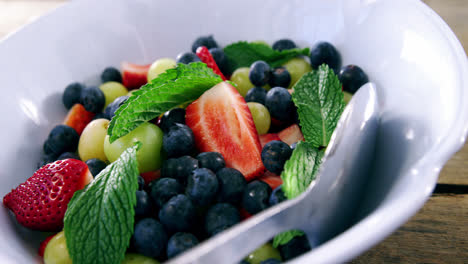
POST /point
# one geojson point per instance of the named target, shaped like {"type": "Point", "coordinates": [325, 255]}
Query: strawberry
{"type": "Point", "coordinates": [78, 118]}
{"type": "Point", "coordinates": [291, 134]}
{"type": "Point", "coordinates": [271, 179]}
{"type": "Point", "coordinates": [205, 56]}
{"type": "Point", "coordinates": [244, 214]}
{"type": "Point", "coordinates": [151, 176]}
{"type": "Point", "coordinates": [133, 75]}
{"type": "Point", "coordinates": [40, 202]}
{"type": "Point", "coordinates": [267, 138]}
{"type": "Point", "coordinates": [221, 122]}
{"type": "Point", "coordinates": [43, 245]}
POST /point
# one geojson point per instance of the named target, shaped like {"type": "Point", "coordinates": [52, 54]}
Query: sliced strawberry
{"type": "Point", "coordinates": [78, 118]}
{"type": "Point", "coordinates": [151, 176]}
{"type": "Point", "coordinates": [40, 202]}
{"type": "Point", "coordinates": [271, 179]}
{"type": "Point", "coordinates": [244, 214]}
{"type": "Point", "coordinates": [205, 56]}
{"type": "Point", "coordinates": [291, 134]}
{"type": "Point", "coordinates": [221, 122]}
{"type": "Point", "coordinates": [133, 75]}
{"type": "Point", "coordinates": [43, 246]}
{"type": "Point", "coordinates": [267, 138]}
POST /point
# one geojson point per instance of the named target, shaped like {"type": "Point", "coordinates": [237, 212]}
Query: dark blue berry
{"type": "Point", "coordinates": [93, 100]}
{"type": "Point", "coordinates": [352, 78]}
{"type": "Point", "coordinates": [141, 183]}
{"type": "Point", "coordinates": [255, 196]}
{"type": "Point", "coordinates": [280, 77]}
{"type": "Point", "coordinates": [95, 166]}
{"type": "Point", "coordinates": [220, 59]}
{"type": "Point", "coordinates": [68, 155]}
{"type": "Point", "coordinates": [179, 168]}
{"type": "Point", "coordinates": [62, 138]}
{"type": "Point", "coordinates": [180, 242]}
{"type": "Point", "coordinates": [45, 159]}
{"type": "Point", "coordinates": [100, 115]}
{"type": "Point", "coordinates": [244, 262]}
{"type": "Point", "coordinates": [231, 185]}
{"type": "Point", "coordinates": [274, 154]}
{"type": "Point", "coordinates": [187, 58]}
{"type": "Point", "coordinates": [202, 186]}
{"type": "Point", "coordinates": [270, 261]}
{"type": "Point", "coordinates": [294, 145]}
{"type": "Point", "coordinates": [284, 44]}
{"type": "Point", "coordinates": [164, 189]}
{"type": "Point", "coordinates": [324, 52]}
{"type": "Point", "coordinates": [279, 102]}
{"type": "Point", "coordinates": [72, 94]}
{"type": "Point", "coordinates": [259, 73]}
{"type": "Point", "coordinates": [175, 115]}
{"type": "Point", "coordinates": [294, 248]}
{"type": "Point", "coordinates": [144, 205]}
{"type": "Point", "coordinates": [220, 217]}
{"type": "Point", "coordinates": [207, 41]}
{"type": "Point", "coordinates": [211, 160]}
{"type": "Point", "coordinates": [256, 94]}
{"type": "Point", "coordinates": [277, 196]}
{"type": "Point", "coordinates": [149, 238]}
{"type": "Point", "coordinates": [178, 141]}
{"type": "Point", "coordinates": [112, 107]}
{"type": "Point", "coordinates": [178, 213]}
{"type": "Point", "coordinates": [111, 74]}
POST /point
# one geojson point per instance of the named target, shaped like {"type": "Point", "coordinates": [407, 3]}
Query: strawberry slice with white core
{"type": "Point", "coordinates": [291, 134]}
{"type": "Point", "coordinates": [133, 75]}
{"type": "Point", "coordinates": [221, 122]}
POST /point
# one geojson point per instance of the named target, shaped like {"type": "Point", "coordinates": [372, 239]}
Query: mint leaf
{"type": "Point", "coordinates": [319, 102]}
{"type": "Point", "coordinates": [99, 219]}
{"type": "Point", "coordinates": [181, 85]}
{"type": "Point", "coordinates": [243, 54]}
{"type": "Point", "coordinates": [285, 237]}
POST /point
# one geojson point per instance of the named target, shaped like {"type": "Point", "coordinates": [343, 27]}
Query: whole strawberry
{"type": "Point", "coordinates": [40, 202]}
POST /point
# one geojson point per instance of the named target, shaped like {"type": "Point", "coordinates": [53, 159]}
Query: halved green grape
{"type": "Point", "coordinates": [133, 258]}
{"type": "Point", "coordinates": [261, 117]}
{"type": "Point", "coordinates": [241, 78]}
{"type": "Point", "coordinates": [56, 251]}
{"type": "Point", "coordinates": [112, 90]}
{"type": "Point", "coordinates": [91, 144]}
{"type": "Point", "coordinates": [148, 156]}
{"type": "Point", "coordinates": [266, 251]}
{"type": "Point", "coordinates": [296, 68]}
{"type": "Point", "coordinates": [160, 66]}
{"type": "Point", "coordinates": [347, 97]}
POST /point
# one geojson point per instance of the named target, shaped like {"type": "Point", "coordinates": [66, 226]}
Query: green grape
{"type": "Point", "coordinates": [91, 144]}
{"type": "Point", "coordinates": [148, 156]}
{"type": "Point", "coordinates": [133, 258]}
{"type": "Point", "coordinates": [160, 66]}
{"type": "Point", "coordinates": [112, 90]}
{"type": "Point", "coordinates": [266, 251]}
{"type": "Point", "coordinates": [261, 117]}
{"type": "Point", "coordinates": [241, 78]}
{"type": "Point", "coordinates": [347, 97]}
{"type": "Point", "coordinates": [261, 42]}
{"type": "Point", "coordinates": [56, 251]}
{"type": "Point", "coordinates": [296, 68]}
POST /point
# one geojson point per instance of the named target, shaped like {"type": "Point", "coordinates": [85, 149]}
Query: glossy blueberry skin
{"type": "Point", "coordinates": [110, 110]}
{"type": "Point", "coordinates": [352, 77]}
{"type": "Point", "coordinates": [178, 214]}
{"type": "Point", "coordinates": [141, 183]}
{"type": "Point", "coordinates": [180, 242]}
{"type": "Point", "coordinates": [62, 138]}
{"type": "Point", "coordinates": [324, 52]}
{"type": "Point", "coordinates": [95, 166]}
{"type": "Point", "coordinates": [163, 190]}
{"type": "Point", "coordinates": [271, 261]}
{"type": "Point", "coordinates": [277, 196]}
{"type": "Point", "coordinates": [68, 155]}
{"type": "Point", "coordinates": [231, 185]}
{"type": "Point", "coordinates": [100, 115]}
{"type": "Point", "coordinates": [279, 103]}
{"type": "Point", "coordinates": [220, 217]}
{"type": "Point", "coordinates": [274, 155]}
{"type": "Point", "coordinates": [280, 77]}
{"type": "Point", "coordinates": [207, 41]}
{"type": "Point", "coordinates": [111, 74]}
{"type": "Point", "coordinates": [213, 161]}
{"type": "Point", "coordinates": [259, 73]}
{"type": "Point", "coordinates": [187, 57]}
{"type": "Point", "coordinates": [45, 159]}
{"type": "Point", "coordinates": [256, 94]}
{"type": "Point", "coordinates": [176, 115]}
{"type": "Point", "coordinates": [255, 197]}
{"type": "Point", "coordinates": [179, 168]}
{"type": "Point", "coordinates": [178, 141]}
{"type": "Point", "coordinates": [284, 44]}
{"type": "Point", "coordinates": [296, 247]}
{"type": "Point", "coordinates": [149, 238]}
{"type": "Point", "coordinates": [220, 59]}
{"type": "Point", "coordinates": [144, 204]}
{"type": "Point", "coordinates": [72, 94]}
{"type": "Point", "coordinates": [93, 100]}
{"type": "Point", "coordinates": [202, 186]}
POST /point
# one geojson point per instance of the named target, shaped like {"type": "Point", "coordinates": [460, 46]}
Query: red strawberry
{"type": "Point", "coordinates": [151, 176]}
{"type": "Point", "coordinates": [267, 138]}
{"type": "Point", "coordinates": [244, 214]}
{"type": "Point", "coordinates": [291, 134]}
{"type": "Point", "coordinates": [40, 202]}
{"type": "Point", "coordinates": [221, 121]}
{"type": "Point", "coordinates": [78, 118]}
{"type": "Point", "coordinates": [271, 179]}
{"type": "Point", "coordinates": [43, 246]}
{"type": "Point", "coordinates": [205, 56]}
{"type": "Point", "coordinates": [133, 75]}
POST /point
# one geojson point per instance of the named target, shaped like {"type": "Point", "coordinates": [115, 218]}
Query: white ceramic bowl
{"type": "Point", "coordinates": [413, 57]}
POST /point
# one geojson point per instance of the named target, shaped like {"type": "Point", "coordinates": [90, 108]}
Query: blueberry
{"type": "Point", "coordinates": [284, 44]}
{"type": "Point", "coordinates": [220, 217]}
{"type": "Point", "coordinates": [72, 94]}
{"type": "Point", "coordinates": [93, 100]}
{"type": "Point", "coordinates": [255, 196]}
{"type": "Point", "coordinates": [144, 205]}
{"type": "Point", "coordinates": [352, 77]}
{"type": "Point", "coordinates": [259, 73]}
{"type": "Point", "coordinates": [111, 74]}
{"type": "Point", "coordinates": [220, 59]}
{"type": "Point", "coordinates": [270, 261]}
{"type": "Point", "coordinates": [179, 168]}
{"type": "Point", "coordinates": [324, 52]}
{"type": "Point", "coordinates": [95, 166]}
{"type": "Point", "coordinates": [202, 186]}
{"type": "Point", "coordinates": [244, 262]}
{"type": "Point", "coordinates": [279, 102]}
{"type": "Point", "coordinates": [178, 141]}
{"type": "Point", "coordinates": [277, 196]}
{"type": "Point", "coordinates": [180, 242]}
{"type": "Point", "coordinates": [256, 94]}
{"type": "Point", "coordinates": [141, 183]}
{"type": "Point", "coordinates": [187, 58]}
{"type": "Point", "coordinates": [68, 155]}
{"type": "Point", "coordinates": [45, 159]}
{"type": "Point", "coordinates": [211, 160]}
{"type": "Point", "coordinates": [164, 189]}
{"type": "Point", "coordinates": [110, 110]}
{"type": "Point", "coordinates": [274, 154]}
{"type": "Point", "coordinates": [280, 77]}
{"type": "Point", "coordinates": [100, 115]}
{"type": "Point", "coordinates": [149, 238]}
{"type": "Point", "coordinates": [178, 213]}
{"type": "Point", "coordinates": [62, 138]}
{"type": "Point", "coordinates": [294, 145]}
{"type": "Point", "coordinates": [175, 115]}
{"type": "Point", "coordinates": [231, 185]}
{"type": "Point", "coordinates": [295, 247]}
{"type": "Point", "coordinates": [207, 41]}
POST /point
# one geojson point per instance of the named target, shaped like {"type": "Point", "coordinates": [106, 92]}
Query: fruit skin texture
{"type": "Point", "coordinates": [352, 77]}
{"type": "Point", "coordinates": [241, 77]}
{"type": "Point", "coordinates": [296, 247]}
{"type": "Point", "coordinates": [264, 139]}
{"type": "Point", "coordinates": [179, 168]}
{"type": "Point", "coordinates": [91, 144]}
{"type": "Point", "coordinates": [112, 90]}
{"type": "Point", "coordinates": [62, 138]}
{"type": "Point", "coordinates": [231, 185]}
{"type": "Point", "coordinates": [95, 166]}
{"type": "Point", "coordinates": [78, 118]}
{"type": "Point", "coordinates": [150, 176]}
{"type": "Point", "coordinates": [279, 103]}
{"type": "Point", "coordinates": [261, 117]}
{"type": "Point", "coordinates": [265, 252]}
{"type": "Point", "coordinates": [274, 156]}
{"type": "Point", "coordinates": [255, 197]}
{"type": "Point", "coordinates": [221, 60]}
{"type": "Point", "coordinates": [221, 122]}
{"type": "Point", "coordinates": [163, 190]}
{"type": "Point", "coordinates": [144, 204]}
{"type": "Point", "coordinates": [277, 196]}
{"type": "Point", "coordinates": [220, 217]}
{"type": "Point", "coordinates": [56, 251]}
{"type": "Point", "coordinates": [187, 58]}
{"type": "Point", "coordinates": [273, 180]}
{"type": "Point", "coordinates": [284, 44]}
{"type": "Point", "coordinates": [207, 41]}
{"type": "Point", "coordinates": [179, 243]}
{"type": "Point", "coordinates": [280, 77]}
{"type": "Point", "coordinates": [259, 73]}
{"type": "Point", "coordinates": [149, 238]}
{"type": "Point", "coordinates": [205, 56]}
{"type": "Point", "coordinates": [40, 202]}
{"type": "Point", "coordinates": [93, 99]}
{"type": "Point", "coordinates": [178, 213]}
{"type": "Point", "coordinates": [169, 118]}
{"type": "Point", "coordinates": [160, 66]}
{"type": "Point", "coordinates": [296, 68]}
{"type": "Point", "coordinates": [43, 245]}
{"type": "Point", "coordinates": [178, 141]}
{"type": "Point", "coordinates": [111, 74]}
{"type": "Point", "coordinates": [72, 94]}
{"type": "Point", "coordinates": [211, 160]}
{"type": "Point", "coordinates": [133, 258]}
{"type": "Point", "coordinates": [134, 75]}
{"type": "Point", "coordinates": [324, 52]}
{"type": "Point", "coordinates": [256, 94]}
{"type": "Point", "coordinates": [291, 134]}
{"type": "Point", "coordinates": [202, 186]}
{"type": "Point", "coordinates": [110, 110]}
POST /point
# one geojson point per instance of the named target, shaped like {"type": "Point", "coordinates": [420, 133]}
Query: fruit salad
{"type": "Point", "coordinates": [160, 157]}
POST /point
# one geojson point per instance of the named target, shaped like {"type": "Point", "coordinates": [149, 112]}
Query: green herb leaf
{"type": "Point", "coordinates": [285, 237]}
{"type": "Point", "coordinates": [243, 54]}
{"type": "Point", "coordinates": [319, 102]}
{"type": "Point", "coordinates": [99, 219]}
{"type": "Point", "coordinates": [181, 85]}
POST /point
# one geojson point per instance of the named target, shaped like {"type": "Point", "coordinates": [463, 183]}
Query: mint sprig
{"type": "Point", "coordinates": [99, 219]}
{"type": "Point", "coordinates": [178, 86]}
{"type": "Point", "coordinates": [284, 237]}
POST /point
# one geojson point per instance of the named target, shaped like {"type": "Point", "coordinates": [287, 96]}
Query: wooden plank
{"type": "Point", "coordinates": [456, 169]}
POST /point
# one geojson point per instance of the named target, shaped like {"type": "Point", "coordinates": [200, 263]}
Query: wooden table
{"type": "Point", "coordinates": [438, 233]}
